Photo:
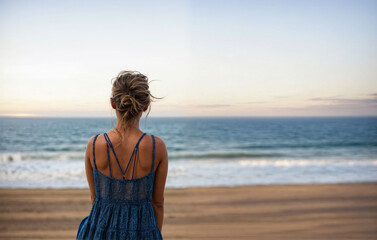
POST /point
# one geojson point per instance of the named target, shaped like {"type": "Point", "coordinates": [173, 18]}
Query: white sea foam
{"type": "Point", "coordinates": [31, 156]}
{"type": "Point", "coordinates": [189, 173]}
{"type": "Point", "coordinates": [9, 157]}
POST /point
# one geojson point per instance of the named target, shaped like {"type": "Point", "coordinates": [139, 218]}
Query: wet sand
{"type": "Point", "coordinates": [329, 211]}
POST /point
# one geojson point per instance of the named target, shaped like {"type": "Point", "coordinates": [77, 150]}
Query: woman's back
{"type": "Point", "coordinates": [123, 205]}
{"type": "Point", "coordinates": [124, 148]}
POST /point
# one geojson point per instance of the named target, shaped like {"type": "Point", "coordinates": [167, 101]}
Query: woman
{"type": "Point", "coordinates": [126, 204]}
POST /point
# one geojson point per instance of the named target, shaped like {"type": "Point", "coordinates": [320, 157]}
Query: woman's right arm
{"type": "Point", "coordinates": [159, 181]}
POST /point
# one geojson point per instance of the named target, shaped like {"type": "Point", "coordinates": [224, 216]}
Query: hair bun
{"type": "Point", "coordinates": [129, 105]}
{"type": "Point", "coordinates": [130, 94]}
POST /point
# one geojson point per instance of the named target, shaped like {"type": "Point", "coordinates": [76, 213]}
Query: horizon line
{"type": "Point", "coordinates": [259, 116]}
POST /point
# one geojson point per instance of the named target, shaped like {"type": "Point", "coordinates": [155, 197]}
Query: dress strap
{"type": "Point", "coordinates": [112, 148]}
{"type": "Point", "coordinates": [135, 151]}
{"type": "Point", "coordinates": [116, 158]}
{"type": "Point", "coordinates": [94, 156]}
{"type": "Point", "coordinates": [108, 156]}
{"type": "Point", "coordinates": [154, 153]}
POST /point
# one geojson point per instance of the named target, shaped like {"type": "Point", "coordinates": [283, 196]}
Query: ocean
{"type": "Point", "coordinates": [216, 151]}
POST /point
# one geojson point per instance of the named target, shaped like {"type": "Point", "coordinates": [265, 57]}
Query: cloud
{"type": "Point", "coordinates": [340, 101]}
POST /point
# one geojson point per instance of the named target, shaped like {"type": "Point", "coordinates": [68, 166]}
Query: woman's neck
{"type": "Point", "coordinates": [129, 129]}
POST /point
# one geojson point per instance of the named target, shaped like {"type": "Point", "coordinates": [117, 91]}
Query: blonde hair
{"type": "Point", "coordinates": [130, 94]}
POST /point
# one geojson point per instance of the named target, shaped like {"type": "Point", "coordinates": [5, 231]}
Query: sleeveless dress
{"type": "Point", "coordinates": [123, 207]}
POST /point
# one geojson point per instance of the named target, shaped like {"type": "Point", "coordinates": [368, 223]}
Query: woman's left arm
{"type": "Point", "coordinates": [89, 169]}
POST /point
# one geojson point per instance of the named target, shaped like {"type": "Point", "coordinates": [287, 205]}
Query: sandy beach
{"type": "Point", "coordinates": [328, 211]}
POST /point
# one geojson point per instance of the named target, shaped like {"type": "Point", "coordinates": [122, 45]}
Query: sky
{"type": "Point", "coordinates": [205, 58]}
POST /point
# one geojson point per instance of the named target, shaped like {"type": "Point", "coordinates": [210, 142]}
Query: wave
{"type": "Point", "coordinates": [80, 155]}
{"type": "Point", "coordinates": [16, 157]}
{"type": "Point", "coordinates": [63, 148]}
{"type": "Point", "coordinates": [305, 163]}
{"type": "Point", "coordinates": [224, 155]}
{"type": "Point", "coordinates": [47, 156]}
{"type": "Point", "coordinates": [310, 145]}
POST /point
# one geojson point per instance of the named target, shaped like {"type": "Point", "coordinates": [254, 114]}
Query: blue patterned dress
{"type": "Point", "coordinates": [123, 207]}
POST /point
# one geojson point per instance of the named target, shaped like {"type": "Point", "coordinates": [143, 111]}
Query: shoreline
{"type": "Point", "coordinates": [291, 211]}
{"type": "Point", "coordinates": [199, 187]}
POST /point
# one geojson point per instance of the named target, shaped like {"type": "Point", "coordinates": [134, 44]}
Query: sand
{"type": "Point", "coordinates": [329, 211]}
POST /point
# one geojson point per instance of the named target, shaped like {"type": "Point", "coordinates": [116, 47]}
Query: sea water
{"type": "Point", "coordinates": [218, 151]}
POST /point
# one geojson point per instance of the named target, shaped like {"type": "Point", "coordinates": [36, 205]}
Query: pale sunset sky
{"type": "Point", "coordinates": [206, 58]}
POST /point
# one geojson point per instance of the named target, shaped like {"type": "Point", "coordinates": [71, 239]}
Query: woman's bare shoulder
{"type": "Point", "coordinates": [159, 141]}
{"type": "Point", "coordinates": [161, 150]}
{"type": "Point", "coordinates": [89, 147]}
{"type": "Point", "coordinates": [91, 140]}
